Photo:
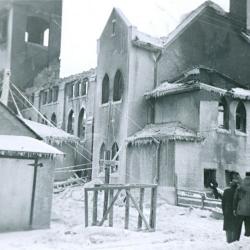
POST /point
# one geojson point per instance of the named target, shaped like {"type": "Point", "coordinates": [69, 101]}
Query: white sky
{"type": "Point", "coordinates": [84, 20]}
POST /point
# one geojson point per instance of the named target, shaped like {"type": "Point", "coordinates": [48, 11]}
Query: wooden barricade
{"type": "Point", "coordinates": [196, 199]}
{"type": "Point", "coordinates": [113, 193]}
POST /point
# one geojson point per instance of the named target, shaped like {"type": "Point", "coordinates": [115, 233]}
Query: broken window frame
{"type": "Point", "coordinates": [223, 114]}
{"type": "Point", "coordinates": [114, 151]}
{"type": "Point", "coordinates": [241, 118]}
{"type": "Point", "coordinates": [84, 87]}
{"type": "Point", "coordinates": [82, 124]}
{"type": "Point", "coordinates": [55, 93]}
{"type": "Point", "coordinates": [36, 31]}
{"type": "Point", "coordinates": [71, 120]}
{"type": "Point", "coordinates": [50, 96]}
{"type": "Point", "coordinates": [77, 89]}
{"type": "Point", "coordinates": [70, 90]}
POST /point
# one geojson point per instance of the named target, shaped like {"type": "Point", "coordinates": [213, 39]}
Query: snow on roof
{"type": "Point", "coordinates": [240, 93]}
{"type": "Point", "coordinates": [169, 88]}
{"type": "Point", "coordinates": [50, 133]}
{"type": "Point", "coordinates": [11, 145]}
{"type": "Point", "coordinates": [164, 131]}
{"type": "Point", "coordinates": [174, 88]}
{"type": "Point", "coordinates": [143, 39]}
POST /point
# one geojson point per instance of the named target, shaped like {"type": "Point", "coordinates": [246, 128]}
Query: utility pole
{"type": "Point", "coordinates": [6, 77]}
{"type": "Point", "coordinates": [107, 165]}
{"type": "Point", "coordinates": [5, 87]}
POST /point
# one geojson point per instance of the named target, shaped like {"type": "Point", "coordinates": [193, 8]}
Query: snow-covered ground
{"type": "Point", "coordinates": [177, 228]}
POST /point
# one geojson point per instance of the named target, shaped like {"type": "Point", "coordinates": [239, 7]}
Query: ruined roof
{"type": "Point", "coordinates": [24, 146]}
{"type": "Point", "coordinates": [174, 131]}
{"type": "Point", "coordinates": [176, 88]}
{"type": "Point", "coordinates": [191, 17]}
{"type": "Point", "coordinates": [49, 133]}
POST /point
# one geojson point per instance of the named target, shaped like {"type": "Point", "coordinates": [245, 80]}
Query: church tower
{"type": "Point", "coordinates": [30, 38]}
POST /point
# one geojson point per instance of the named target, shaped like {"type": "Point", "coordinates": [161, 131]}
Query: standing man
{"type": "Point", "coordinates": [229, 223]}
{"type": "Point", "coordinates": [241, 206]}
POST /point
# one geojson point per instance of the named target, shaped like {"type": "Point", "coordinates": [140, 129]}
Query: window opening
{"type": "Point", "coordinates": [209, 177]}
{"type": "Point", "coordinates": [37, 31]}
{"type": "Point", "coordinates": [118, 86]}
{"type": "Point", "coordinates": [105, 89]}
{"type": "Point", "coordinates": [70, 128]}
{"type": "Point", "coordinates": [241, 117]}
{"type": "Point", "coordinates": [115, 149]}
{"type": "Point", "coordinates": [53, 119]}
{"type": "Point", "coordinates": [82, 124]}
{"type": "Point", "coordinates": [223, 113]}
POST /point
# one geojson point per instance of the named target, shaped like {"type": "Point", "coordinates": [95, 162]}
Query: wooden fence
{"type": "Point", "coordinates": [196, 199]}
{"type": "Point", "coordinates": [113, 192]}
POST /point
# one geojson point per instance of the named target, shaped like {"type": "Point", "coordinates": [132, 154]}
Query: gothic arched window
{"type": "Point", "coordinates": [118, 86]}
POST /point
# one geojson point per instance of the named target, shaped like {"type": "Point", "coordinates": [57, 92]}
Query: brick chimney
{"type": "Point", "coordinates": [240, 12]}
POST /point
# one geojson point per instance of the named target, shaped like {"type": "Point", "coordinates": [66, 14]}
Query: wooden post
{"type": "Point", "coordinates": [33, 191]}
{"type": "Point", "coordinates": [127, 210]}
{"type": "Point", "coordinates": [152, 219]}
{"type": "Point", "coordinates": [111, 196]}
{"type": "Point", "coordinates": [202, 201]}
{"type": "Point", "coordinates": [86, 207]}
{"type": "Point", "coordinates": [106, 181]}
{"type": "Point", "coordinates": [95, 208]}
{"type": "Point", "coordinates": [142, 191]}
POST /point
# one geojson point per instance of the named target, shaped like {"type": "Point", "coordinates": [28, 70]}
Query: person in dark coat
{"type": "Point", "coordinates": [230, 220]}
{"type": "Point", "coordinates": [242, 206]}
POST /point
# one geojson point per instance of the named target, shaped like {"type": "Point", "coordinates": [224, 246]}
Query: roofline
{"type": "Point", "coordinates": [189, 87]}
{"type": "Point", "coordinates": [189, 20]}
{"type": "Point", "coordinates": [21, 121]}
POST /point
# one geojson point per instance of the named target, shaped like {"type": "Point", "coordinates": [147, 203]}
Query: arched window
{"type": "Point", "coordinates": [223, 114]}
{"type": "Point", "coordinates": [115, 149]}
{"type": "Point", "coordinates": [102, 157]}
{"type": "Point", "coordinates": [105, 89]}
{"type": "Point", "coordinates": [53, 119]}
{"type": "Point", "coordinates": [81, 124]}
{"type": "Point", "coordinates": [241, 117]}
{"type": "Point", "coordinates": [118, 86]}
{"type": "Point", "coordinates": [70, 128]}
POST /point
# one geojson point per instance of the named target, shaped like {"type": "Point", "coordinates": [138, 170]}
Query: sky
{"type": "Point", "coordinates": [84, 20]}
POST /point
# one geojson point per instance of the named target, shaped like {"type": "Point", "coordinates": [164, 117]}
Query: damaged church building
{"type": "Point", "coordinates": [176, 108]}
{"type": "Point", "coordinates": [173, 110]}
{"type": "Point", "coordinates": [30, 40]}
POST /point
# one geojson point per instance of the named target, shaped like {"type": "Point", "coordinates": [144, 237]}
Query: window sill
{"type": "Point", "coordinates": [49, 104]}
{"type": "Point", "coordinates": [223, 131]}
{"type": "Point", "coordinates": [117, 102]}
{"type": "Point", "coordinates": [76, 98]}
{"type": "Point", "coordinates": [240, 133]}
{"type": "Point", "coordinates": [37, 45]}
{"type": "Point", "coordinates": [104, 105]}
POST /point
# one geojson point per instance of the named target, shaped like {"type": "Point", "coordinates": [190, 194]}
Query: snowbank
{"type": "Point", "coordinates": [177, 228]}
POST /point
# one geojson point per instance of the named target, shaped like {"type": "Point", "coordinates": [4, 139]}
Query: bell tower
{"type": "Point", "coordinates": [30, 38]}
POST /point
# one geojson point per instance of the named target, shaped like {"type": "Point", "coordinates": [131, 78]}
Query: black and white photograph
{"type": "Point", "coordinates": [125, 125]}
